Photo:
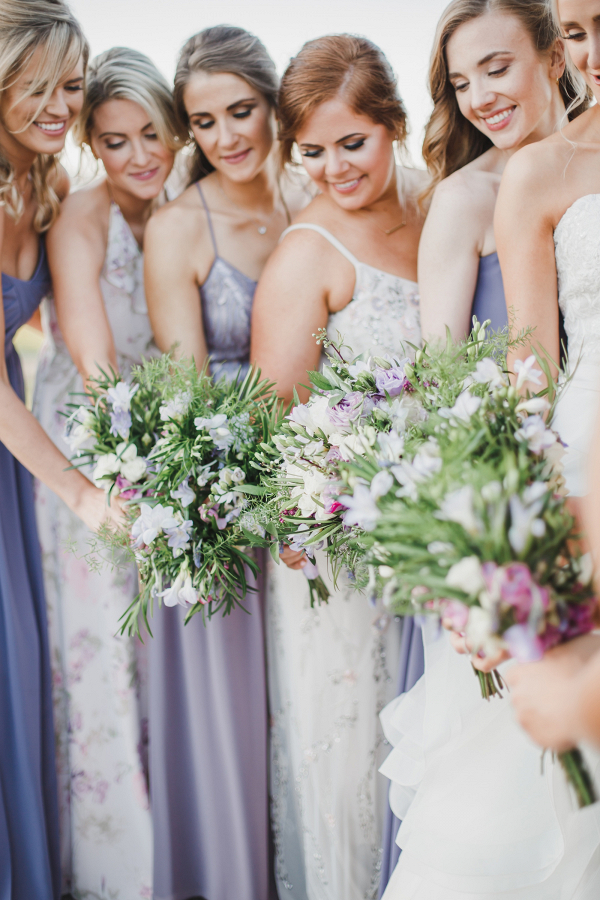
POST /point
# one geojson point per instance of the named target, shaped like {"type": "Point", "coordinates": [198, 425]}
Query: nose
{"type": "Point", "coordinates": [481, 96]}
{"type": "Point", "coordinates": [227, 135]}
{"type": "Point", "coordinates": [335, 164]}
{"type": "Point", "coordinates": [594, 52]}
{"type": "Point", "coordinates": [57, 104]}
{"type": "Point", "coordinates": [140, 154]}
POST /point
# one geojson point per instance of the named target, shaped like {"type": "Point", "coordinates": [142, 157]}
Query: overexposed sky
{"type": "Point", "coordinates": [403, 29]}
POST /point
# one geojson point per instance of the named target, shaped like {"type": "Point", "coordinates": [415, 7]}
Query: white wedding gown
{"type": "Point", "coordinates": [480, 820]}
{"type": "Point", "coordinates": [331, 671]}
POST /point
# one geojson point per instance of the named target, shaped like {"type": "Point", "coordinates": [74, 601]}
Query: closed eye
{"type": "Point", "coordinates": [577, 36]}
{"type": "Point", "coordinates": [499, 71]}
{"type": "Point", "coordinates": [312, 153]}
{"type": "Point", "coordinates": [355, 145]}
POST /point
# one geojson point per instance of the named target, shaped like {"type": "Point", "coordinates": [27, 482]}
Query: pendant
{"type": "Point", "coordinates": [262, 229]}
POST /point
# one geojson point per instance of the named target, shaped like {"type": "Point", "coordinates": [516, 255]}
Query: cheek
{"type": "Point", "coordinates": [205, 139]}
{"type": "Point", "coordinates": [315, 168]}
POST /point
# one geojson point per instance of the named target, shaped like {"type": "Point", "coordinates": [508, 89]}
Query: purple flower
{"type": "Point", "coordinates": [333, 454]}
{"type": "Point", "coordinates": [517, 587]}
{"type": "Point", "coordinates": [125, 489]}
{"type": "Point", "coordinates": [346, 411]}
{"type": "Point", "coordinates": [523, 644]}
{"type": "Point", "coordinates": [457, 613]}
{"type": "Point", "coordinates": [120, 422]}
{"type": "Point", "coordinates": [391, 381]}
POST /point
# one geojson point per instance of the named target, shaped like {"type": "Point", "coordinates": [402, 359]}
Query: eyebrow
{"type": "Point", "coordinates": [486, 59]}
{"type": "Point", "coordinates": [566, 25]}
{"type": "Point", "coordinates": [120, 134]}
{"type": "Point", "coordinates": [229, 108]}
{"type": "Point", "coordinates": [355, 134]}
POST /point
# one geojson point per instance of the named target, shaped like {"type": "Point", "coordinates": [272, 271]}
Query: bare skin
{"type": "Point", "coordinates": [509, 92]}
{"type": "Point", "coordinates": [19, 251]}
{"type": "Point", "coordinates": [234, 125]}
{"type": "Point", "coordinates": [136, 166]}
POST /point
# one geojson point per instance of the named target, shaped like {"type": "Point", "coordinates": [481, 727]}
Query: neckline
{"type": "Point", "coordinates": [573, 204]}
{"type": "Point", "coordinates": [41, 257]}
{"type": "Point", "coordinates": [229, 266]}
{"type": "Point", "coordinates": [115, 206]}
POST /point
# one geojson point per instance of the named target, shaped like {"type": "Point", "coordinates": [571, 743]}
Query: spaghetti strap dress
{"type": "Point", "coordinates": [333, 668]}
{"type": "Point", "coordinates": [208, 703]}
{"type": "Point", "coordinates": [29, 852]}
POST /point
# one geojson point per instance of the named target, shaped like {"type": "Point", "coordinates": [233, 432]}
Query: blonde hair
{"type": "Point", "coordinates": [26, 26]}
{"type": "Point", "coordinates": [451, 141]}
{"type": "Point", "coordinates": [345, 65]}
{"type": "Point", "coordinates": [222, 48]}
{"type": "Point", "coordinates": [124, 74]}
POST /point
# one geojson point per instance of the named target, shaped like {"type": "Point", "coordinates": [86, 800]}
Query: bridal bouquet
{"type": "Point", "coordinates": [471, 525]}
{"type": "Point", "coordinates": [188, 523]}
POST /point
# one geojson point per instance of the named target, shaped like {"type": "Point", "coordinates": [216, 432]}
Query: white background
{"type": "Point", "coordinates": [404, 30]}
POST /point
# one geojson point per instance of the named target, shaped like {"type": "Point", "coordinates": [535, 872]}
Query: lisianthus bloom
{"type": "Point", "coordinates": [346, 411]}
{"type": "Point", "coordinates": [390, 381]}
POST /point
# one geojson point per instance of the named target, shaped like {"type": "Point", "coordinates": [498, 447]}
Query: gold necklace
{"type": "Point", "coordinates": [393, 229]}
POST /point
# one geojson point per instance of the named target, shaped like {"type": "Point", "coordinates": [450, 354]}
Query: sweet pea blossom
{"type": "Point", "coordinates": [467, 576]}
{"type": "Point", "coordinates": [184, 493]}
{"type": "Point", "coordinates": [179, 536]}
{"type": "Point", "coordinates": [457, 506]}
{"type": "Point", "coordinates": [120, 395]}
{"type": "Point", "coordinates": [313, 416]}
{"type": "Point", "coordinates": [361, 509]}
{"type": "Point", "coordinates": [78, 429]}
{"type": "Point", "coordinates": [534, 405]}
{"type": "Point", "coordinates": [176, 407]}
{"type": "Point", "coordinates": [390, 447]}
{"type": "Point", "coordinates": [150, 522]}
{"type": "Point", "coordinates": [526, 372]}
{"type": "Point", "coordinates": [466, 406]}
{"type": "Point", "coordinates": [217, 428]}
{"type": "Point", "coordinates": [381, 484]}
{"type": "Point", "coordinates": [120, 422]}
{"type": "Point", "coordinates": [534, 432]}
{"type": "Point", "coordinates": [524, 521]}
{"type": "Point", "coordinates": [488, 372]}
{"type": "Point", "coordinates": [456, 613]}
{"type": "Point", "coordinates": [181, 592]}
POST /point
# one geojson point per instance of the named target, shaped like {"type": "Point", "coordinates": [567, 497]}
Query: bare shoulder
{"type": "Point", "coordinates": [537, 165]}
{"type": "Point", "coordinates": [178, 220]}
{"type": "Point", "coordinates": [297, 189]}
{"type": "Point", "coordinates": [61, 182]}
{"type": "Point", "coordinates": [84, 212]}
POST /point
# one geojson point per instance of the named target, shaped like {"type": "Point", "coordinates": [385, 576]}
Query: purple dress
{"type": "Point", "coordinates": [208, 698]}
{"type": "Point", "coordinates": [29, 856]}
{"type": "Point", "coordinates": [489, 301]}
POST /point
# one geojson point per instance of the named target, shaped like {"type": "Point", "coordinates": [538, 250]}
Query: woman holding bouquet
{"type": "Point", "coordinates": [98, 319]}
{"type": "Point", "coordinates": [483, 113]}
{"type": "Point", "coordinates": [348, 264]}
{"type": "Point", "coordinates": [204, 254]}
{"type": "Point", "coordinates": [42, 63]}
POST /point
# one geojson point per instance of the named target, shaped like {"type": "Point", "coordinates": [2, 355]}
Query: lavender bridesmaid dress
{"type": "Point", "coordinates": [208, 706]}
{"type": "Point", "coordinates": [489, 301]}
{"type": "Point", "coordinates": [29, 857]}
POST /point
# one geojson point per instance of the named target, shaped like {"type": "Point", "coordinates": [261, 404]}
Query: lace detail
{"type": "Point", "coordinates": [577, 248]}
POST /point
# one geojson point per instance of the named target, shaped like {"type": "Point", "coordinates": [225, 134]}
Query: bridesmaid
{"type": "Point", "coordinates": [42, 62]}
{"type": "Point", "coordinates": [98, 317]}
{"type": "Point", "coordinates": [204, 254]}
{"type": "Point", "coordinates": [483, 113]}
{"type": "Point", "coordinates": [348, 263]}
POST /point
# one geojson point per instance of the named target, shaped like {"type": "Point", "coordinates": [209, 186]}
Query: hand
{"type": "Point", "coordinates": [293, 559]}
{"type": "Point", "coordinates": [546, 694]}
{"type": "Point", "coordinates": [462, 645]}
{"type": "Point", "coordinates": [95, 508]}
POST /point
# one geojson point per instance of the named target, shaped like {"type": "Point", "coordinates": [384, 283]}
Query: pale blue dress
{"type": "Point", "coordinates": [29, 854]}
{"type": "Point", "coordinates": [208, 698]}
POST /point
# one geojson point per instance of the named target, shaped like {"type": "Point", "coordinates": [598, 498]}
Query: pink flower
{"type": "Point", "coordinates": [456, 613]}
{"type": "Point", "coordinates": [523, 644]}
{"type": "Point", "coordinates": [124, 487]}
{"type": "Point", "coordinates": [517, 587]}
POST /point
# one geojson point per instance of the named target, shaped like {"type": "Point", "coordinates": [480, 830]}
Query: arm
{"type": "Point", "coordinates": [171, 284]}
{"type": "Point", "coordinates": [289, 307]}
{"type": "Point", "coordinates": [76, 249]}
{"type": "Point", "coordinates": [24, 437]}
{"type": "Point", "coordinates": [449, 255]}
{"type": "Point", "coordinates": [525, 240]}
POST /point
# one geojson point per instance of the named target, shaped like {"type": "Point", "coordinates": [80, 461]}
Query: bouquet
{"type": "Point", "coordinates": [471, 524]}
{"type": "Point", "coordinates": [189, 525]}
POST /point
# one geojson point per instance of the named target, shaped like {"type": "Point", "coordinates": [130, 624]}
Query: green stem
{"type": "Point", "coordinates": [578, 776]}
{"type": "Point", "coordinates": [319, 592]}
{"type": "Point", "coordinates": [489, 687]}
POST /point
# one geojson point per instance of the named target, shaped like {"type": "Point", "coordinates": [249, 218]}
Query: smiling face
{"type": "Point", "coordinates": [580, 24]}
{"type": "Point", "coordinates": [125, 140]}
{"type": "Point", "coordinates": [348, 156]}
{"type": "Point", "coordinates": [26, 127]}
{"type": "Point", "coordinates": [232, 123]}
{"type": "Point", "coordinates": [503, 85]}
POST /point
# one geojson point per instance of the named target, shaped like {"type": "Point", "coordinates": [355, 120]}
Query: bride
{"type": "Point", "coordinates": [348, 264]}
{"type": "Point", "coordinates": [483, 823]}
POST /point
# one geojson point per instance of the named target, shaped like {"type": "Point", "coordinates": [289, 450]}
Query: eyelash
{"type": "Point", "coordinates": [463, 87]}
{"type": "Point", "coordinates": [313, 154]}
{"type": "Point", "coordinates": [580, 35]}
{"type": "Point", "coordinates": [243, 114]}
{"type": "Point", "coordinates": [120, 144]}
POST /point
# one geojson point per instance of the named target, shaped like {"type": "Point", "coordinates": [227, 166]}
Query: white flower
{"type": "Point", "coordinates": [107, 464]}
{"type": "Point", "coordinates": [179, 536]}
{"type": "Point", "coordinates": [523, 515]}
{"type": "Point", "coordinates": [150, 522]}
{"type": "Point", "coordinates": [132, 466]}
{"type": "Point", "coordinates": [181, 591]}
{"type": "Point", "coordinates": [438, 548]}
{"type": "Point", "coordinates": [381, 484]}
{"type": "Point", "coordinates": [79, 428]}
{"type": "Point", "coordinates": [491, 491]}
{"type": "Point", "coordinates": [403, 411]}
{"type": "Point", "coordinates": [466, 406]}
{"type": "Point", "coordinates": [409, 474]}
{"type": "Point", "coordinates": [217, 428]}
{"type": "Point", "coordinates": [487, 372]}
{"type": "Point", "coordinates": [359, 367]}
{"type": "Point", "coordinates": [175, 408]}
{"type": "Point", "coordinates": [184, 493]}
{"type": "Point", "coordinates": [466, 575]}
{"type": "Point", "coordinates": [527, 372]}
{"type": "Point", "coordinates": [480, 631]}
{"type": "Point", "coordinates": [534, 431]}
{"type": "Point", "coordinates": [586, 569]}
{"type": "Point", "coordinates": [362, 509]}
{"type": "Point", "coordinates": [457, 506]}
{"type": "Point", "coordinates": [534, 405]}
{"type": "Point", "coordinates": [313, 416]}
{"type": "Point", "coordinates": [314, 485]}
{"type": "Point", "coordinates": [390, 447]}
{"type": "Point", "coordinates": [351, 445]}
{"type": "Point", "coordinates": [120, 395]}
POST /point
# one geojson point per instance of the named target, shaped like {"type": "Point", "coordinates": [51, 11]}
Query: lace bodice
{"type": "Point", "coordinates": [122, 287]}
{"type": "Point", "coordinates": [577, 250]}
{"type": "Point", "coordinates": [384, 311]}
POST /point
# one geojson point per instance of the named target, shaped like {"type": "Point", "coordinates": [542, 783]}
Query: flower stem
{"type": "Point", "coordinates": [578, 776]}
{"type": "Point", "coordinates": [319, 592]}
{"type": "Point", "coordinates": [489, 686]}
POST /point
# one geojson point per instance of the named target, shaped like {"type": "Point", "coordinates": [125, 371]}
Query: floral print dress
{"type": "Point", "coordinates": [98, 677]}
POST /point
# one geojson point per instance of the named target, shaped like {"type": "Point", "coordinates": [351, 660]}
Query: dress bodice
{"type": "Point", "coordinates": [122, 287]}
{"type": "Point", "coordinates": [22, 298]}
{"type": "Point", "coordinates": [577, 251]}
{"type": "Point", "coordinates": [227, 296]}
{"type": "Point", "coordinates": [383, 314]}
{"type": "Point", "coordinates": [489, 301]}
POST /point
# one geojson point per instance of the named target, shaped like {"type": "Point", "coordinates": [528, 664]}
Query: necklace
{"type": "Point", "coordinates": [262, 224]}
{"type": "Point", "coordinates": [394, 228]}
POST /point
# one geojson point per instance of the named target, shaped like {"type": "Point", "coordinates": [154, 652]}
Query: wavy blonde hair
{"type": "Point", "coordinates": [124, 74]}
{"type": "Point", "coordinates": [25, 26]}
{"type": "Point", "coordinates": [222, 48]}
{"type": "Point", "coordinates": [451, 141]}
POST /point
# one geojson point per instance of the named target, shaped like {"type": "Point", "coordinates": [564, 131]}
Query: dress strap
{"type": "Point", "coordinates": [207, 211]}
{"type": "Point", "coordinates": [328, 237]}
